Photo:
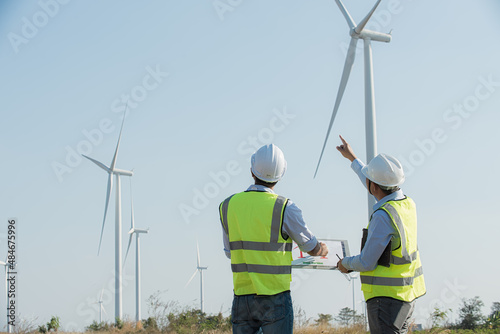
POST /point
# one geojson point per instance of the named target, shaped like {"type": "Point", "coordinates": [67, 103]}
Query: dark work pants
{"type": "Point", "coordinates": [388, 315]}
{"type": "Point", "coordinates": [263, 314]}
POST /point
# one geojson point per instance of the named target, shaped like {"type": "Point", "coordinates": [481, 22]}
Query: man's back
{"type": "Point", "coordinates": [260, 256]}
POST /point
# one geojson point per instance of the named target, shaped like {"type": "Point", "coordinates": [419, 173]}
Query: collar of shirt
{"type": "Point", "coordinates": [258, 187]}
{"type": "Point", "coordinates": [397, 195]}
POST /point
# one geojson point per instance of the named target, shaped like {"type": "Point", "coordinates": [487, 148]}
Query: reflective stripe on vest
{"type": "Point", "coordinates": [276, 222]}
{"type": "Point", "coordinates": [261, 269]}
{"type": "Point", "coordinates": [392, 281]}
{"type": "Point", "coordinates": [223, 215]}
{"type": "Point", "coordinates": [397, 220]}
{"type": "Point", "coordinates": [261, 246]}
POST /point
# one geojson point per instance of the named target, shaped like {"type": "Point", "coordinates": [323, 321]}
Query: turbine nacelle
{"type": "Point", "coordinates": [109, 170]}
{"type": "Point", "coordinates": [371, 35]}
{"type": "Point", "coordinates": [138, 230]}
{"type": "Point", "coordinates": [359, 31]}
{"type": "Point", "coordinates": [123, 172]}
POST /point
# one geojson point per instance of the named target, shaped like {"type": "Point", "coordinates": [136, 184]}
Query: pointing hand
{"type": "Point", "coordinates": [346, 150]}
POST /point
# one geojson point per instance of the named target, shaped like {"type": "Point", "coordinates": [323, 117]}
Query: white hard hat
{"type": "Point", "coordinates": [268, 163]}
{"type": "Point", "coordinates": [384, 170]}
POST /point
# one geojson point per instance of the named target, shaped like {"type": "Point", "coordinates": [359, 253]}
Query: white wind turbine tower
{"type": "Point", "coordinates": [359, 32]}
{"type": "Point", "coordinates": [137, 232]}
{"type": "Point", "coordinates": [199, 269]}
{"type": "Point", "coordinates": [112, 170]}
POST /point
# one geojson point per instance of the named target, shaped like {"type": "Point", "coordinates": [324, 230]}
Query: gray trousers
{"type": "Point", "coordinates": [389, 315]}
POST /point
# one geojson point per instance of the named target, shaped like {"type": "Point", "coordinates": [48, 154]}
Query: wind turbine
{"type": "Point", "coordinates": [359, 32]}
{"type": "Point", "coordinates": [137, 232]}
{"type": "Point", "coordinates": [112, 170]}
{"type": "Point", "coordinates": [199, 269]}
{"type": "Point", "coordinates": [101, 307]}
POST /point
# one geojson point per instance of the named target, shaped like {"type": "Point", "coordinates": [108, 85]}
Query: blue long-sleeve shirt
{"type": "Point", "coordinates": [380, 231]}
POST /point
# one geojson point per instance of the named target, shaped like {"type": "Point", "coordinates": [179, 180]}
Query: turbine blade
{"type": "Point", "coordinates": [128, 247]}
{"type": "Point", "coordinates": [198, 253]}
{"type": "Point", "coordinates": [346, 14]}
{"type": "Point", "coordinates": [363, 22]}
{"type": "Point", "coordinates": [102, 292]}
{"type": "Point", "coordinates": [98, 163]}
{"type": "Point", "coordinates": [113, 163]}
{"type": "Point", "coordinates": [102, 308]}
{"type": "Point", "coordinates": [108, 193]}
{"type": "Point", "coordinates": [131, 207]}
{"type": "Point", "coordinates": [349, 61]}
{"type": "Point", "coordinates": [195, 272]}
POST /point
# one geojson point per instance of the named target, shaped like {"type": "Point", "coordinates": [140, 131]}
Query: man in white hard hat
{"type": "Point", "coordinates": [258, 229]}
{"type": "Point", "coordinates": [389, 263]}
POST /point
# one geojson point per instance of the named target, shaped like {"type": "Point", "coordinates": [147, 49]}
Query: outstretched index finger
{"type": "Point", "coordinates": [343, 140]}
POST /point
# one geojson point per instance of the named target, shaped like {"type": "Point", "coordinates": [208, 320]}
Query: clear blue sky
{"type": "Point", "coordinates": [262, 71]}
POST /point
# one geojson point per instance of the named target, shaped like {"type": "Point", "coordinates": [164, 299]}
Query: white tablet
{"type": "Point", "coordinates": [336, 249]}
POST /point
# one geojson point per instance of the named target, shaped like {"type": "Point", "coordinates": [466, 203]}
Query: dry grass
{"type": "Point", "coordinates": [331, 330]}
{"type": "Point", "coordinates": [129, 328]}
{"type": "Point", "coordinates": [307, 330]}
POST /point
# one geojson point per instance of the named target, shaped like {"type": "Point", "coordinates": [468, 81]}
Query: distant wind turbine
{"type": "Point", "coordinates": [101, 307]}
{"type": "Point", "coordinates": [199, 269]}
{"type": "Point", "coordinates": [359, 32]}
{"type": "Point", "coordinates": [137, 232]}
{"type": "Point", "coordinates": [112, 170]}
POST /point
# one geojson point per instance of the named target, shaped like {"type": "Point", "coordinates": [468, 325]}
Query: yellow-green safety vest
{"type": "Point", "coordinates": [403, 279]}
{"type": "Point", "coordinates": [260, 257]}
